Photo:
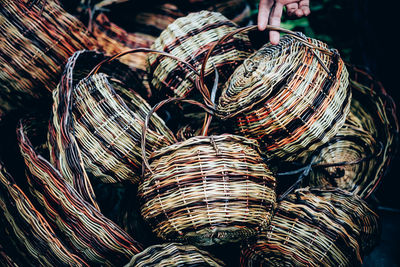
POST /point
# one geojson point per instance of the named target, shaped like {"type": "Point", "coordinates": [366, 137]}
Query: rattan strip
{"type": "Point", "coordinates": [207, 189]}
{"type": "Point", "coordinates": [284, 97]}
{"type": "Point", "coordinates": [173, 254]}
{"type": "Point", "coordinates": [189, 38]}
{"type": "Point", "coordinates": [90, 233]}
{"type": "Point", "coordinates": [35, 44]}
{"type": "Point", "coordinates": [31, 228]}
{"type": "Point", "coordinates": [370, 132]}
{"type": "Point", "coordinates": [314, 227]}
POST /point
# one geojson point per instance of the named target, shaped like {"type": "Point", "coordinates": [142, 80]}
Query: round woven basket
{"type": "Point", "coordinates": [189, 39]}
{"type": "Point", "coordinates": [291, 97]}
{"type": "Point", "coordinates": [207, 189]}
{"type": "Point", "coordinates": [173, 254]}
{"type": "Point", "coordinates": [366, 143]}
{"type": "Point", "coordinates": [104, 117]}
{"type": "Point", "coordinates": [315, 227]}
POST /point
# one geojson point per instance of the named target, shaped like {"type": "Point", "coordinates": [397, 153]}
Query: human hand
{"type": "Point", "coordinates": [270, 13]}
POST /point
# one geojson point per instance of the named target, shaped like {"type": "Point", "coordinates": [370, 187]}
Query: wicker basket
{"type": "Point", "coordinates": [173, 254]}
{"type": "Point", "coordinates": [189, 39]}
{"type": "Point", "coordinates": [30, 228]}
{"type": "Point", "coordinates": [206, 190]}
{"type": "Point", "coordinates": [36, 41]}
{"type": "Point", "coordinates": [314, 227]}
{"type": "Point", "coordinates": [88, 232]}
{"type": "Point", "coordinates": [366, 143]}
{"type": "Point", "coordinates": [102, 117]}
{"type": "Point", "coordinates": [291, 97]}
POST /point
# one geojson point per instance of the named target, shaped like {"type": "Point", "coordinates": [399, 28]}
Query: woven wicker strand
{"type": "Point", "coordinates": [31, 229]}
{"type": "Point", "coordinates": [173, 254]}
{"type": "Point", "coordinates": [189, 38]}
{"type": "Point", "coordinates": [291, 97]}
{"type": "Point", "coordinates": [315, 227]}
{"type": "Point", "coordinates": [370, 131]}
{"type": "Point", "coordinates": [96, 238]}
{"type": "Point", "coordinates": [206, 190]}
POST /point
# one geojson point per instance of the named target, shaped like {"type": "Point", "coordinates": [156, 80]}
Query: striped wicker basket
{"type": "Point", "coordinates": [36, 41]}
{"type": "Point", "coordinates": [291, 97]}
{"type": "Point", "coordinates": [173, 254]}
{"type": "Point", "coordinates": [206, 190]}
{"type": "Point", "coordinates": [103, 118]}
{"type": "Point", "coordinates": [315, 227]}
{"type": "Point", "coordinates": [365, 144]}
{"type": "Point", "coordinates": [90, 235]}
{"type": "Point", "coordinates": [189, 39]}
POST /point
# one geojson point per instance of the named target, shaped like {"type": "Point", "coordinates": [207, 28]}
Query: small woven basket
{"type": "Point", "coordinates": [207, 189]}
{"type": "Point", "coordinates": [173, 254]}
{"type": "Point", "coordinates": [189, 39]}
{"type": "Point", "coordinates": [315, 227]}
{"type": "Point", "coordinates": [365, 144]}
{"type": "Point", "coordinates": [291, 97]}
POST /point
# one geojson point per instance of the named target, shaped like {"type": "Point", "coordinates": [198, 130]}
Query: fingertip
{"type": "Point", "coordinates": [274, 37]}
{"type": "Point", "coordinates": [299, 13]}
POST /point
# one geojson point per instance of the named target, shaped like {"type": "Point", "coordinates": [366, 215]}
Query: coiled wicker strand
{"type": "Point", "coordinates": [189, 38]}
{"type": "Point", "coordinates": [315, 227]}
{"type": "Point", "coordinates": [291, 97]}
{"type": "Point", "coordinates": [173, 254]}
{"type": "Point", "coordinates": [207, 189]}
{"type": "Point", "coordinates": [368, 140]}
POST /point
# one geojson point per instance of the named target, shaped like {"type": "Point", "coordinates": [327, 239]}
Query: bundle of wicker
{"type": "Point", "coordinates": [30, 228]}
{"type": "Point", "coordinates": [102, 118]}
{"type": "Point", "coordinates": [207, 189]}
{"type": "Point", "coordinates": [173, 254]}
{"type": "Point", "coordinates": [291, 97]}
{"type": "Point", "coordinates": [36, 41]}
{"type": "Point", "coordinates": [314, 227]}
{"type": "Point", "coordinates": [189, 39]}
{"type": "Point", "coordinates": [89, 233]}
{"type": "Point", "coordinates": [365, 144]}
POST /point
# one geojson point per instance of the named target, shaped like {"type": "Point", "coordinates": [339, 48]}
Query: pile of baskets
{"type": "Point", "coordinates": [198, 124]}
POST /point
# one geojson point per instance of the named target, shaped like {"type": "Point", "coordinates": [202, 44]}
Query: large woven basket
{"type": "Point", "coordinates": [291, 97]}
{"type": "Point", "coordinates": [173, 254]}
{"type": "Point", "coordinates": [92, 236]}
{"type": "Point", "coordinates": [189, 39]}
{"type": "Point", "coordinates": [315, 227]}
{"type": "Point", "coordinates": [365, 144]}
{"type": "Point", "coordinates": [103, 117]}
{"type": "Point", "coordinates": [207, 189]}
{"type": "Point", "coordinates": [36, 41]}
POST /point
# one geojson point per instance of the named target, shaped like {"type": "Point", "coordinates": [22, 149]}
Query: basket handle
{"type": "Point", "coordinates": [201, 84]}
{"type": "Point", "coordinates": [137, 50]}
{"type": "Point", "coordinates": [157, 107]}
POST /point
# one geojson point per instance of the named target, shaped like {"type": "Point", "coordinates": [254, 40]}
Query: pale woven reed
{"type": "Point", "coordinates": [31, 228]}
{"type": "Point", "coordinates": [35, 43]}
{"type": "Point", "coordinates": [207, 189]}
{"type": "Point", "coordinates": [89, 233]}
{"type": "Point", "coordinates": [370, 133]}
{"type": "Point", "coordinates": [189, 38]}
{"type": "Point", "coordinates": [315, 227]}
{"type": "Point", "coordinates": [173, 254]}
{"type": "Point", "coordinates": [291, 97]}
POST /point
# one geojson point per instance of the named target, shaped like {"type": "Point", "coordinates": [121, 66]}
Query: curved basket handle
{"type": "Point", "coordinates": [201, 84]}
{"type": "Point", "coordinates": [137, 50]}
{"type": "Point", "coordinates": [157, 107]}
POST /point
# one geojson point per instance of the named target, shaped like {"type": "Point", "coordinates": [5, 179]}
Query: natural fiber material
{"type": "Point", "coordinates": [97, 239]}
{"type": "Point", "coordinates": [207, 190]}
{"type": "Point", "coordinates": [314, 227]}
{"type": "Point", "coordinates": [291, 97]}
{"type": "Point", "coordinates": [173, 254]}
{"type": "Point", "coordinates": [35, 41]}
{"type": "Point", "coordinates": [189, 38]}
{"type": "Point", "coordinates": [367, 141]}
{"type": "Point", "coordinates": [31, 228]}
